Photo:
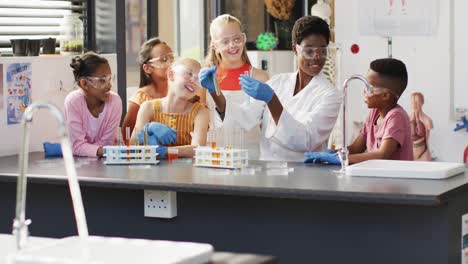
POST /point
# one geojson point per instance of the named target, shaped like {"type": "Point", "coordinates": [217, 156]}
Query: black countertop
{"type": "Point", "coordinates": [306, 181]}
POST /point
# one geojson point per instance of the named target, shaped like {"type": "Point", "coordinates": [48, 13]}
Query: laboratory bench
{"type": "Point", "coordinates": [303, 214]}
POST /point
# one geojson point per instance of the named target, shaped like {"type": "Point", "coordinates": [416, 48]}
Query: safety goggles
{"type": "Point", "coordinates": [187, 74]}
{"type": "Point", "coordinates": [310, 53]}
{"type": "Point", "coordinates": [235, 41]}
{"type": "Point", "coordinates": [163, 61]}
{"type": "Point", "coordinates": [99, 82]}
{"type": "Point", "coordinates": [378, 90]}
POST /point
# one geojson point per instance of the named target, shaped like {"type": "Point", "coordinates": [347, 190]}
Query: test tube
{"type": "Point", "coordinates": [248, 73]}
{"type": "Point", "coordinates": [118, 136]}
{"type": "Point", "coordinates": [127, 136]}
{"type": "Point", "coordinates": [213, 139]}
{"type": "Point", "coordinates": [241, 134]}
{"type": "Point", "coordinates": [216, 84]}
{"type": "Point", "coordinates": [145, 136]}
{"type": "Point", "coordinates": [127, 140]}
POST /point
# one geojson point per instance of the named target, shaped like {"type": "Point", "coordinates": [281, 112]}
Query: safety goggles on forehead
{"type": "Point", "coordinates": [378, 90]}
{"type": "Point", "coordinates": [100, 82]}
{"type": "Point", "coordinates": [186, 73]}
{"type": "Point", "coordinates": [236, 40]}
{"type": "Point", "coordinates": [310, 52]}
{"type": "Point", "coordinates": [161, 61]}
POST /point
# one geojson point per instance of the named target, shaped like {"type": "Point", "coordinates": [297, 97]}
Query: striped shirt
{"type": "Point", "coordinates": [183, 123]}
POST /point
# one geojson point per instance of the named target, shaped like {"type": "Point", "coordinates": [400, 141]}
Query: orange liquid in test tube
{"type": "Point", "coordinates": [172, 154]}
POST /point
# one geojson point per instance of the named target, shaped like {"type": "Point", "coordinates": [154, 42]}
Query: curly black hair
{"type": "Point", "coordinates": [393, 71]}
{"type": "Point", "coordinates": [308, 25]}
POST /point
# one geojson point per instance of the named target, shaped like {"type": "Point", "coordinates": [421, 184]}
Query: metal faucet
{"type": "Point", "coordinates": [344, 153]}
{"type": "Point", "coordinates": [20, 224]}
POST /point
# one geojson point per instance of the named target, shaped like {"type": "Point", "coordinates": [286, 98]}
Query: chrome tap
{"type": "Point", "coordinates": [20, 224]}
{"type": "Point", "coordinates": [344, 153]}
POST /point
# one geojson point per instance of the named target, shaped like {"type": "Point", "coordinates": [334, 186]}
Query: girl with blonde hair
{"type": "Point", "coordinates": [227, 59]}
{"type": "Point", "coordinates": [176, 120]}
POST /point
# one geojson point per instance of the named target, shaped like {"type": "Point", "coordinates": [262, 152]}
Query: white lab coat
{"type": "Point", "coordinates": [251, 136]}
{"type": "Point", "coordinates": [305, 123]}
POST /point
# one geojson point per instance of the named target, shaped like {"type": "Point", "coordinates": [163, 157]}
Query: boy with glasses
{"type": "Point", "coordinates": [387, 131]}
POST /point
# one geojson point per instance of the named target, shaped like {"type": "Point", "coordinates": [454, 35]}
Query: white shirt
{"type": "Point", "coordinates": [305, 123]}
{"type": "Point", "coordinates": [94, 124]}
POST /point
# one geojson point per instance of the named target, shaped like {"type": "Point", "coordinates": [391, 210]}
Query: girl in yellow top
{"type": "Point", "coordinates": [175, 120]}
{"type": "Point", "coordinates": [154, 58]}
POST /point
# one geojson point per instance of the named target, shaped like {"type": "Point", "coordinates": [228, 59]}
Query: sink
{"type": "Point", "coordinates": [8, 244]}
{"type": "Point", "coordinates": [406, 169]}
{"type": "Point", "coordinates": [103, 250]}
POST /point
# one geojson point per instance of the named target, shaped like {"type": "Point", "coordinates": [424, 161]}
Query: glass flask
{"type": "Point", "coordinates": [71, 34]}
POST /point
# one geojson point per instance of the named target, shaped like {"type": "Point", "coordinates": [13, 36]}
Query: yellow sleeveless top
{"type": "Point", "coordinates": [183, 123]}
{"type": "Point", "coordinates": [140, 97]}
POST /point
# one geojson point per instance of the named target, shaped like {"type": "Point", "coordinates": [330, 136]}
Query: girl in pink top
{"type": "Point", "coordinates": [92, 112]}
{"type": "Point", "coordinates": [387, 131]}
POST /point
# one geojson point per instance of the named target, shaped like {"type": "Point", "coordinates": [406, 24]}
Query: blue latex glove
{"type": "Point", "coordinates": [331, 151]}
{"type": "Point", "coordinates": [52, 149]}
{"type": "Point", "coordinates": [162, 151]}
{"type": "Point", "coordinates": [206, 79]}
{"type": "Point", "coordinates": [158, 134]}
{"type": "Point", "coordinates": [322, 157]}
{"type": "Point", "coordinates": [152, 140]}
{"type": "Point", "coordinates": [256, 89]}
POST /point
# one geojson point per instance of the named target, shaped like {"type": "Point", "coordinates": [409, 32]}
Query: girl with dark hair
{"type": "Point", "coordinates": [154, 59]}
{"type": "Point", "coordinates": [92, 112]}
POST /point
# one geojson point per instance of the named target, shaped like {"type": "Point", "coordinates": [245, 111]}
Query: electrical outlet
{"type": "Point", "coordinates": [161, 204]}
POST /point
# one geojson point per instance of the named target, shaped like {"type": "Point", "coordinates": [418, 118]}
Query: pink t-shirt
{"type": "Point", "coordinates": [396, 125]}
{"type": "Point", "coordinates": [86, 138]}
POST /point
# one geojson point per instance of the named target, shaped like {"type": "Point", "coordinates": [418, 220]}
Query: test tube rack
{"type": "Point", "coordinates": [116, 155]}
{"type": "Point", "coordinates": [228, 158]}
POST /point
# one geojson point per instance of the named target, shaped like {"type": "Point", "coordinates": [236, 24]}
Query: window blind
{"type": "Point", "coordinates": [34, 19]}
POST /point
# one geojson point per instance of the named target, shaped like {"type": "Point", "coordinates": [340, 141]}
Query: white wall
{"type": "Point", "coordinates": [49, 73]}
{"type": "Point", "coordinates": [427, 60]}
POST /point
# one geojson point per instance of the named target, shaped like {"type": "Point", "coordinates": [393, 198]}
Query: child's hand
{"type": "Point", "coordinates": [256, 89]}
{"type": "Point", "coordinates": [158, 133]}
{"type": "Point", "coordinates": [206, 79]}
{"type": "Point", "coordinates": [322, 157]}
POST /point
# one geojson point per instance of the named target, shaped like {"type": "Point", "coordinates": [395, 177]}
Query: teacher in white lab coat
{"type": "Point", "coordinates": [297, 110]}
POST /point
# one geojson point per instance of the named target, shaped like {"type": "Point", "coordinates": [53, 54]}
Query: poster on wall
{"type": "Point", "coordinates": [18, 80]}
{"type": "Point", "coordinates": [389, 18]}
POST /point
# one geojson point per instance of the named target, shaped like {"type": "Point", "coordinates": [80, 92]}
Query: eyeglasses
{"type": "Point", "coordinates": [185, 73]}
{"type": "Point", "coordinates": [163, 61]}
{"type": "Point", "coordinates": [310, 52]}
{"type": "Point", "coordinates": [236, 40]}
{"type": "Point", "coordinates": [99, 82]}
{"type": "Point", "coordinates": [378, 90]}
